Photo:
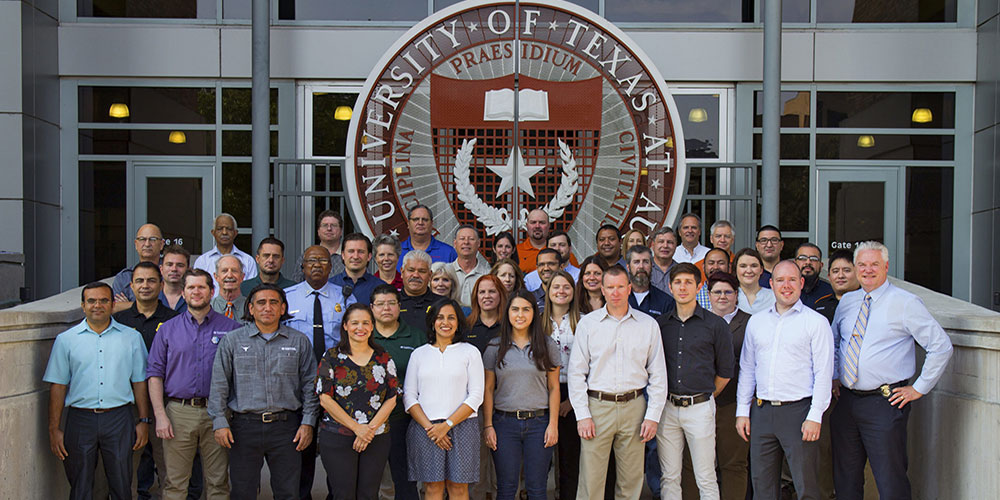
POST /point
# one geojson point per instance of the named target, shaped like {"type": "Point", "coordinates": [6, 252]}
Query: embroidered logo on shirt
{"type": "Point", "coordinates": [289, 349]}
{"type": "Point", "coordinates": [245, 348]}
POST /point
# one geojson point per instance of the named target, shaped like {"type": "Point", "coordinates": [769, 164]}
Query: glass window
{"type": "Point", "coordinates": [793, 198]}
{"type": "Point", "coordinates": [792, 11]}
{"type": "Point", "coordinates": [886, 11]}
{"type": "Point", "coordinates": [147, 142]}
{"type": "Point", "coordinates": [329, 124]}
{"type": "Point", "coordinates": [885, 147]}
{"type": "Point", "coordinates": [175, 204]}
{"type": "Point", "coordinates": [164, 9]}
{"type": "Point", "coordinates": [700, 114]}
{"type": "Point", "coordinates": [929, 222]}
{"type": "Point", "coordinates": [236, 178]}
{"type": "Point", "coordinates": [239, 143]}
{"type": "Point", "coordinates": [791, 147]}
{"type": "Point", "coordinates": [146, 105]}
{"type": "Point", "coordinates": [588, 4]}
{"type": "Point", "coordinates": [103, 240]}
{"type": "Point", "coordinates": [680, 11]}
{"type": "Point", "coordinates": [352, 10]}
{"type": "Point", "coordinates": [794, 109]}
{"type": "Point", "coordinates": [886, 109]}
{"type": "Point", "coordinates": [237, 108]}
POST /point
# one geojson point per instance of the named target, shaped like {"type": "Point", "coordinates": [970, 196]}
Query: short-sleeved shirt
{"type": "Point", "coordinates": [400, 345]}
{"type": "Point", "coordinates": [183, 353]}
{"type": "Point", "coordinates": [480, 335]}
{"type": "Point", "coordinates": [562, 334]}
{"type": "Point", "coordinates": [98, 368]}
{"type": "Point", "coordinates": [132, 318]}
{"type": "Point", "coordinates": [697, 350]}
{"type": "Point", "coordinates": [413, 310]}
{"type": "Point", "coordinates": [520, 385]}
{"type": "Point", "coordinates": [359, 390]}
{"type": "Point", "coordinates": [123, 283]}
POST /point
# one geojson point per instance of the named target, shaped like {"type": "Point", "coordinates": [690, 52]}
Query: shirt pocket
{"type": "Point", "coordinates": [288, 363]}
{"type": "Point", "coordinates": [245, 363]}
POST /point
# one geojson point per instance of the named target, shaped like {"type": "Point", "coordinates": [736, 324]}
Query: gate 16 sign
{"type": "Point", "coordinates": [597, 128]}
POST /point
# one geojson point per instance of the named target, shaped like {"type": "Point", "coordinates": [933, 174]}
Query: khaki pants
{"type": "Point", "coordinates": [617, 427]}
{"type": "Point", "coordinates": [193, 432]}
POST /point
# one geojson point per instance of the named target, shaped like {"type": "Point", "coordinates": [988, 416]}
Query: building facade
{"type": "Point", "coordinates": [117, 112]}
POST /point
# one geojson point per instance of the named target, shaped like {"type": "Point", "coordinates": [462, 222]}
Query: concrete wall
{"type": "Point", "coordinates": [986, 178]}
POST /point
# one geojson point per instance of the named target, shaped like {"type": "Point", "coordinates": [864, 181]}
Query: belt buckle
{"type": "Point", "coordinates": [267, 417]}
{"type": "Point", "coordinates": [517, 415]}
{"type": "Point", "coordinates": [620, 398]}
{"type": "Point", "coordinates": [776, 403]}
{"type": "Point", "coordinates": [886, 391]}
{"type": "Point", "coordinates": [684, 401]}
{"type": "Point", "coordinates": [760, 402]}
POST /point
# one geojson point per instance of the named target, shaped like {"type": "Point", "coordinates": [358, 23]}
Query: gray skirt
{"type": "Point", "coordinates": [430, 464]}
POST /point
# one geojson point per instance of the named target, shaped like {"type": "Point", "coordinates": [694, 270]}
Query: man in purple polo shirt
{"type": "Point", "coordinates": [180, 374]}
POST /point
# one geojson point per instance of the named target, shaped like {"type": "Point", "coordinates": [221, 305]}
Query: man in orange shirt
{"type": "Point", "coordinates": [538, 234]}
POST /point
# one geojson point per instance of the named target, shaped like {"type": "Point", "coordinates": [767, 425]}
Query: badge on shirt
{"type": "Point", "coordinates": [215, 340]}
{"type": "Point", "coordinates": [336, 307]}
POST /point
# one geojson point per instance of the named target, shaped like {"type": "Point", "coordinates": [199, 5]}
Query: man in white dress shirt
{"type": "Point", "coordinates": [787, 359]}
{"type": "Point", "coordinates": [691, 249]}
{"type": "Point", "coordinates": [618, 352]}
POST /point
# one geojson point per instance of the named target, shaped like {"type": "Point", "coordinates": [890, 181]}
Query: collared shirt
{"type": "Point", "coordinates": [897, 318]}
{"type": "Point", "coordinates": [438, 250]}
{"type": "Point", "coordinates": [520, 385]}
{"type": "Point", "coordinates": [397, 280]}
{"type": "Point", "coordinates": [98, 368]}
{"type": "Point", "coordinates": [336, 267]}
{"type": "Point", "coordinates": [413, 310]}
{"type": "Point", "coordinates": [616, 356]}
{"type": "Point", "coordinates": [466, 281]}
{"type": "Point", "coordinates": [123, 283]}
{"type": "Point", "coordinates": [786, 357]}
{"type": "Point", "coordinates": [532, 282]}
{"type": "Point", "coordinates": [361, 288]}
{"type": "Point", "coordinates": [183, 353]}
{"type": "Point", "coordinates": [761, 302]}
{"type": "Point", "coordinates": [660, 278]}
{"type": "Point", "coordinates": [179, 307]}
{"type": "Point", "coordinates": [300, 307]}
{"type": "Point", "coordinates": [480, 335]}
{"type": "Point", "coordinates": [239, 306]}
{"type": "Point", "coordinates": [702, 297]}
{"type": "Point", "coordinates": [654, 303]}
{"type": "Point", "coordinates": [827, 306]}
{"type": "Point", "coordinates": [400, 345]}
{"type": "Point", "coordinates": [683, 255]}
{"type": "Point", "coordinates": [697, 350]}
{"type": "Point", "coordinates": [765, 279]}
{"type": "Point", "coordinates": [254, 375]}
{"type": "Point", "coordinates": [526, 253]}
{"type": "Point", "coordinates": [207, 260]}
{"type": "Point", "coordinates": [250, 284]}
{"type": "Point", "coordinates": [562, 334]}
{"type": "Point", "coordinates": [811, 294]}
{"type": "Point", "coordinates": [460, 365]}
{"type": "Point", "coordinates": [132, 318]}
{"type": "Point", "coordinates": [737, 321]}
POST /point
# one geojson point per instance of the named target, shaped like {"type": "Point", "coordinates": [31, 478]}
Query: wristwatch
{"type": "Point", "coordinates": [450, 423]}
{"type": "Point", "coordinates": [145, 420]}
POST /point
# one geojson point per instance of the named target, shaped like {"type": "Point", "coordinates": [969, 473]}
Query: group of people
{"type": "Point", "coordinates": [454, 370]}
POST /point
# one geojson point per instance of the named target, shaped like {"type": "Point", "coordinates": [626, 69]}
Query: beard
{"type": "Point", "coordinates": [640, 280]}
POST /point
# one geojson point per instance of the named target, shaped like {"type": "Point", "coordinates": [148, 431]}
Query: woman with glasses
{"type": "Point", "coordinates": [521, 399]}
{"type": "Point", "coordinates": [753, 298]}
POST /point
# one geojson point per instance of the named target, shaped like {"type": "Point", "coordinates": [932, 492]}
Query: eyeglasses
{"type": "Point", "coordinates": [773, 241]}
{"type": "Point", "coordinates": [389, 303]}
{"type": "Point", "coordinates": [420, 219]}
{"type": "Point", "coordinates": [329, 226]}
{"type": "Point", "coordinates": [804, 258]}
{"type": "Point", "coordinates": [720, 293]}
{"type": "Point", "coordinates": [321, 262]}
{"type": "Point", "coordinates": [152, 239]}
{"type": "Point", "coordinates": [102, 302]}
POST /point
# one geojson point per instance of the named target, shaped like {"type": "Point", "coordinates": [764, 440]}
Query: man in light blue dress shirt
{"type": "Point", "coordinates": [787, 360]}
{"type": "Point", "coordinates": [874, 332]}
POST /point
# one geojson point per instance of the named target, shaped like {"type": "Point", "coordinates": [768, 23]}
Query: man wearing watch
{"type": "Point", "coordinates": [97, 370]}
{"type": "Point", "coordinates": [180, 375]}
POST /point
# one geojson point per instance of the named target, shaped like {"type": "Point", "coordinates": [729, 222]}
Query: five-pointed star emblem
{"type": "Point", "coordinates": [655, 183]}
{"type": "Point", "coordinates": [553, 25]}
{"type": "Point", "coordinates": [524, 173]}
{"type": "Point", "coordinates": [473, 26]}
{"type": "Point", "coordinates": [394, 233]}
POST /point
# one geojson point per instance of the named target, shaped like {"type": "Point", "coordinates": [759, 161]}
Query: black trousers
{"type": "Point", "coordinates": [309, 471]}
{"type": "Point", "coordinates": [776, 433]}
{"type": "Point", "coordinates": [405, 489]}
{"type": "Point", "coordinates": [868, 428]}
{"type": "Point", "coordinates": [254, 442]}
{"type": "Point", "coordinates": [111, 434]}
{"type": "Point", "coordinates": [357, 475]}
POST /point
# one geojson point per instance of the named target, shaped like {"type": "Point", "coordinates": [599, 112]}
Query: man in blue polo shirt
{"type": "Point", "coordinates": [421, 223]}
{"type": "Point", "coordinates": [97, 370]}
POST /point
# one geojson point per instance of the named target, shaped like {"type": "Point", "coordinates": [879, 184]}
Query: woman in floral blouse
{"type": "Point", "coordinates": [357, 386]}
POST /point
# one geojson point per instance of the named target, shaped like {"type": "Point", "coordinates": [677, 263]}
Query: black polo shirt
{"type": "Point", "coordinates": [413, 310]}
{"type": "Point", "coordinates": [480, 335]}
{"type": "Point", "coordinates": [697, 350]}
{"type": "Point", "coordinates": [827, 305]}
{"type": "Point", "coordinates": [131, 317]}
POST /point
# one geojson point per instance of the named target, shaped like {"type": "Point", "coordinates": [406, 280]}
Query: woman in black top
{"type": "Point", "coordinates": [489, 301]}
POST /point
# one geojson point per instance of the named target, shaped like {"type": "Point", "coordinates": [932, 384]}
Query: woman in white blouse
{"type": "Point", "coordinates": [753, 298]}
{"type": "Point", "coordinates": [442, 392]}
{"type": "Point", "coordinates": [562, 311]}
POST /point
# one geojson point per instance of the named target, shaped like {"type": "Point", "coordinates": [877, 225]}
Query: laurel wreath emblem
{"type": "Point", "coordinates": [497, 220]}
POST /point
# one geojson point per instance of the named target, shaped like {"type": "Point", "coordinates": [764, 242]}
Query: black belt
{"type": "Point", "coordinates": [199, 402]}
{"type": "Point", "coordinates": [96, 410]}
{"type": "Point", "coordinates": [762, 402]}
{"type": "Point", "coordinates": [884, 390]}
{"type": "Point", "coordinates": [685, 400]}
{"type": "Point", "coordinates": [615, 398]}
{"type": "Point", "coordinates": [522, 414]}
{"type": "Point", "coordinates": [267, 417]}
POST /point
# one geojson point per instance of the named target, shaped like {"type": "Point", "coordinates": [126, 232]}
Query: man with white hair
{"type": "Point", "coordinates": [417, 295]}
{"type": "Point", "coordinates": [224, 232]}
{"type": "Point", "coordinates": [229, 300]}
{"type": "Point", "coordinates": [875, 331]}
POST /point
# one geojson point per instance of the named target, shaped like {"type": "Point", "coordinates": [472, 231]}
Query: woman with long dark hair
{"type": "Point", "coordinates": [521, 400]}
{"type": "Point", "coordinates": [588, 289]}
{"type": "Point", "coordinates": [357, 386]}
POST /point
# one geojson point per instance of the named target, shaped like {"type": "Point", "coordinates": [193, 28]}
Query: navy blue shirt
{"type": "Point", "coordinates": [656, 303]}
{"type": "Point", "coordinates": [361, 288]}
{"type": "Point", "coordinates": [811, 292]}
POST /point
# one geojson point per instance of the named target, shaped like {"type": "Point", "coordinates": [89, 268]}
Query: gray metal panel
{"type": "Point", "coordinates": [988, 73]}
{"type": "Point", "coordinates": [984, 170]}
{"type": "Point", "coordinates": [10, 57]}
{"type": "Point", "coordinates": [983, 236]}
{"type": "Point", "coordinates": [945, 55]}
{"type": "Point", "coordinates": [138, 50]}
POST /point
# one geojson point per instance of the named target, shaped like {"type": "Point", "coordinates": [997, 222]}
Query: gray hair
{"type": "Point", "coordinates": [385, 239]}
{"type": "Point", "coordinates": [634, 249]}
{"type": "Point", "coordinates": [446, 269]}
{"type": "Point", "coordinates": [238, 261]}
{"type": "Point", "coordinates": [420, 255]}
{"type": "Point", "coordinates": [662, 230]}
{"type": "Point", "coordinates": [224, 214]}
{"type": "Point", "coordinates": [871, 245]}
{"type": "Point", "coordinates": [721, 223]}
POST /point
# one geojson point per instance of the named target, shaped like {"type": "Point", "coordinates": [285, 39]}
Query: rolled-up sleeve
{"type": "Point", "coordinates": [156, 364]}
{"type": "Point", "coordinates": [929, 334]}
{"type": "Point", "coordinates": [656, 367]}
{"type": "Point", "coordinates": [576, 374]}
{"type": "Point", "coordinates": [411, 384]}
{"type": "Point", "coordinates": [138, 358]}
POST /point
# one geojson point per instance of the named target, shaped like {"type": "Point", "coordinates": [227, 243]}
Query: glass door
{"type": "Point", "coordinates": [855, 205]}
{"type": "Point", "coordinates": [178, 198]}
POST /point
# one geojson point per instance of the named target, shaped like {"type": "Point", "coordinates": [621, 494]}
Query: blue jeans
{"type": "Point", "coordinates": [521, 442]}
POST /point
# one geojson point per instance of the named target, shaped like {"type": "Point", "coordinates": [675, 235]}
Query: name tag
{"type": "Point", "coordinates": [289, 349]}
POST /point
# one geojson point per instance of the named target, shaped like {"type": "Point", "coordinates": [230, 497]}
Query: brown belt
{"type": "Point", "coordinates": [96, 410]}
{"type": "Point", "coordinates": [199, 402]}
{"type": "Point", "coordinates": [523, 414]}
{"type": "Point", "coordinates": [615, 398]}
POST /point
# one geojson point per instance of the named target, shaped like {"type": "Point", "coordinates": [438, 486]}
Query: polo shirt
{"type": "Point", "coordinates": [183, 353]}
{"type": "Point", "coordinates": [413, 310]}
{"type": "Point", "coordinates": [360, 288]}
{"type": "Point", "coordinates": [480, 335]}
{"type": "Point", "coordinates": [250, 284]}
{"type": "Point", "coordinates": [400, 345]}
{"type": "Point", "coordinates": [697, 350]}
{"type": "Point", "coordinates": [98, 368]}
{"type": "Point", "coordinates": [827, 306]}
{"type": "Point", "coordinates": [438, 250]}
{"type": "Point", "coordinates": [520, 385]}
{"type": "Point", "coordinates": [147, 327]}
{"type": "Point", "coordinates": [123, 283]}
{"type": "Point", "coordinates": [467, 281]}
{"type": "Point", "coordinates": [813, 289]}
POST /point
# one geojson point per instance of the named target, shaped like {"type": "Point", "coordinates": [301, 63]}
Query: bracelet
{"type": "Point", "coordinates": [487, 426]}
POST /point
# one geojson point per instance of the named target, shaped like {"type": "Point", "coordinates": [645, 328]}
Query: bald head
{"type": "Point", "coordinates": [149, 243]}
{"type": "Point", "coordinates": [538, 227]}
{"type": "Point", "coordinates": [786, 282]}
